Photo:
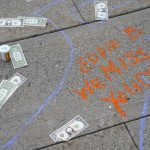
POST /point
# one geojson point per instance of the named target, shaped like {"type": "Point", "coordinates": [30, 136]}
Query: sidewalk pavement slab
{"type": "Point", "coordinates": [58, 11]}
{"type": "Point", "coordinates": [135, 128]}
{"type": "Point", "coordinates": [53, 72]}
{"type": "Point", "coordinates": [115, 7]}
{"type": "Point", "coordinates": [62, 13]}
{"type": "Point", "coordinates": [116, 138]}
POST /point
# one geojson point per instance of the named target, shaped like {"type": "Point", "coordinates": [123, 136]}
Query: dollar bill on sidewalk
{"type": "Point", "coordinates": [6, 89]}
{"type": "Point", "coordinates": [17, 79]}
{"type": "Point", "coordinates": [17, 56]}
{"type": "Point", "coordinates": [34, 21]}
{"type": "Point", "coordinates": [69, 130]}
{"type": "Point", "coordinates": [101, 10]}
{"type": "Point", "coordinates": [11, 22]}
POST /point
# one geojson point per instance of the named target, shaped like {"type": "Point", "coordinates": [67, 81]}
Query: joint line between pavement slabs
{"type": "Point", "coordinates": [78, 10]}
{"type": "Point", "coordinates": [55, 92]}
{"type": "Point", "coordinates": [71, 27]}
{"type": "Point", "coordinates": [99, 130]}
{"type": "Point", "coordinates": [131, 136]}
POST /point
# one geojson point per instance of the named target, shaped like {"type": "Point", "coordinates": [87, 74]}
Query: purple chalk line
{"type": "Point", "coordinates": [144, 111]}
{"type": "Point", "coordinates": [147, 37]}
{"type": "Point", "coordinates": [58, 88]}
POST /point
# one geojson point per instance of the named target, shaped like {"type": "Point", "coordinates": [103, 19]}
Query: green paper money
{"type": "Point", "coordinates": [34, 21]}
{"type": "Point", "coordinates": [17, 56]}
{"type": "Point", "coordinates": [6, 90]}
{"type": "Point", "coordinates": [11, 22]}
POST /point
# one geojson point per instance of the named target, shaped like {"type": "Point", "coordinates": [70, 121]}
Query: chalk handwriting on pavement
{"type": "Point", "coordinates": [128, 59]}
{"type": "Point", "coordinates": [120, 99]}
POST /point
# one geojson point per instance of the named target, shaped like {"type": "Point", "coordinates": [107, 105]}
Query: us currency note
{"type": "Point", "coordinates": [11, 22]}
{"type": "Point", "coordinates": [34, 21]}
{"type": "Point", "coordinates": [69, 130]}
{"type": "Point", "coordinates": [6, 89]}
{"type": "Point", "coordinates": [101, 10]}
{"type": "Point", "coordinates": [17, 56]}
{"type": "Point", "coordinates": [17, 79]}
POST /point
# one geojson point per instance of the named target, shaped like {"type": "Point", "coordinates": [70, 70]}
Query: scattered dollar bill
{"type": "Point", "coordinates": [11, 22]}
{"type": "Point", "coordinates": [69, 130]}
{"type": "Point", "coordinates": [17, 56]}
{"type": "Point", "coordinates": [17, 79]}
{"type": "Point", "coordinates": [6, 89]}
{"type": "Point", "coordinates": [34, 21]}
{"type": "Point", "coordinates": [101, 10]}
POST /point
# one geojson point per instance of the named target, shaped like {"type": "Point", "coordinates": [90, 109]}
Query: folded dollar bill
{"type": "Point", "coordinates": [11, 22]}
{"type": "Point", "coordinates": [6, 89]}
{"type": "Point", "coordinates": [101, 10]}
{"type": "Point", "coordinates": [69, 130]}
{"type": "Point", "coordinates": [17, 56]}
{"type": "Point", "coordinates": [34, 21]}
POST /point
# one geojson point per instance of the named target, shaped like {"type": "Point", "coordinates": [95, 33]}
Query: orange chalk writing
{"type": "Point", "coordinates": [133, 32]}
{"type": "Point", "coordinates": [145, 56]}
{"type": "Point", "coordinates": [101, 51]}
{"type": "Point", "coordinates": [129, 58]}
{"type": "Point", "coordinates": [85, 62]}
{"type": "Point", "coordinates": [139, 75]}
{"type": "Point", "coordinates": [110, 69]}
{"type": "Point", "coordinates": [122, 62]}
{"type": "Point", "coordinates": [89, 87]}
{"type": "Point", "coordinates": [136, 56]}
{"type": "Point", "coordinates": [111, 45]}
{"type": "Point", "coordinates": [93, 58]}
{"type": "Point", "coordinates": [85, 89]}
{"type": "Point", "coordinates": [97, 84]}
{"type": "Point", "coordinates": [85, 67]}
{"type": "Point", "coordinates": [120, 99]}
{"type": "Point", "coordinates": [132, 90]}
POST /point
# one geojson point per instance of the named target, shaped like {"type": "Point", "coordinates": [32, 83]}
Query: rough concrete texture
{"type": "Point", "coordinates": [63, 13]}
{"type": "Point", "coordinates": [115, 138]}
{"type": "Point", "coordinates": [46, 101]}
{"type": "Point", "coordinates": [59, 12]}
{"type": "Point", "coordinates": [53, 72]}
{"type": "Point", "coordinates": [140, 133]}
{"type": "Point", "coordinates": [115, 7]}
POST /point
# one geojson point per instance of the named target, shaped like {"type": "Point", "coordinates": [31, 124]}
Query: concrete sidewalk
{"type": "Point", "coordinates": [78, 66]}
